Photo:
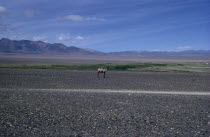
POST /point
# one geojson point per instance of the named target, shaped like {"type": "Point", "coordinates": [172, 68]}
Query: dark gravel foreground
{"type": "Point", "coordinates": [25, 112]}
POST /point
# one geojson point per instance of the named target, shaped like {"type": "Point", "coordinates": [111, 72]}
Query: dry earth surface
{"type": "Point", "coordinates": [62, 59]}
{"type": "Point", "coordinates": [77, 103]}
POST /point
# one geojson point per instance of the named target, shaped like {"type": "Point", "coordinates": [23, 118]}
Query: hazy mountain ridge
{"type": "Point", "coordinates": [162, 53]}
{"type": "Point", "coordinates": [39, 47]}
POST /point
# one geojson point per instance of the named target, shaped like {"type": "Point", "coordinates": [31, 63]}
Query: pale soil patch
{"type": "Point", "coordinates": [55, 59]}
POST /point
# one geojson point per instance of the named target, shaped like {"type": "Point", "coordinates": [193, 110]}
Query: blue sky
{"type": "Point", "coordinates": [110, 25]}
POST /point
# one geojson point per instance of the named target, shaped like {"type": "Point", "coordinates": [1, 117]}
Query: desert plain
{"type": "Point", "coordinates": [62, 102]}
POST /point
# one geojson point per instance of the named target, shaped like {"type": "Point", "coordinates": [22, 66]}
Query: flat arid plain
{"type": "Point", "coordinates": [62, 102]}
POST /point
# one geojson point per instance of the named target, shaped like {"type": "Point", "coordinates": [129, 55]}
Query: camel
{"type": "Point", "coordinates": [102, 70]}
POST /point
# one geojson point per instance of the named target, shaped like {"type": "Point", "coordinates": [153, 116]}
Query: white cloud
{"type": "Point", "coordinates": [184, 48]}
{"type": "Point", "coordinates": [3, 10]}
{"type": "Point", "coordinates": [74, 17]}
{"type": "Point", "coordinates": [66, 38]}
{"type": "Point", "coordinates": [96, 19]}
{"type": "Point", "coordinates": [40, 38]}
{"type": "Point", "coordinates": [81, 18]}
{"type": "Point", "coordinates": [79, 38]}
{"type": "Point", "coordinates": [63, 37]}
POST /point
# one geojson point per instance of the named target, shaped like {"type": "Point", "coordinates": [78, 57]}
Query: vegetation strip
{"type": "Point", "coordinates": [143, 67]}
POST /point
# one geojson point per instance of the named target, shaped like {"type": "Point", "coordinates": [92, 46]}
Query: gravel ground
{"type": "Point", "coordinates": [37, 113]}
{"type": "Point", "coordinates": [25, 112]}
{"type": "Point", "coordinates": [59, 79]}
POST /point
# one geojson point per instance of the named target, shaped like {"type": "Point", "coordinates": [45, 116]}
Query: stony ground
{"type": "Point", "coordinates": [56, 79]}
{"type": "Point", "coordinates": [27, 111]}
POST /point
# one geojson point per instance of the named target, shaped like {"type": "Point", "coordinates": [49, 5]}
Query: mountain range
{"type": "Point", "coordinates": [39, 47]}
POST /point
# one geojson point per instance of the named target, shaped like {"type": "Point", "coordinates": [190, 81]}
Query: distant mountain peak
{"type": "Point", "coordinates": [162, 53]}
{"type": "Point", "coordinates": [4, 39]}
{"type": "Point", "coordinates": [40, 47]}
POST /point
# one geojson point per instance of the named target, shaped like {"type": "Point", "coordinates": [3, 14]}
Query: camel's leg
{"type": "Point", "coordinates": [98, 74]}
{"type": "Point", "coordinates": [104, 74]}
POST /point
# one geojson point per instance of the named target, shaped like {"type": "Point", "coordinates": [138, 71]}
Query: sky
{"type": "Point", "coordinates": [110, 25]}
